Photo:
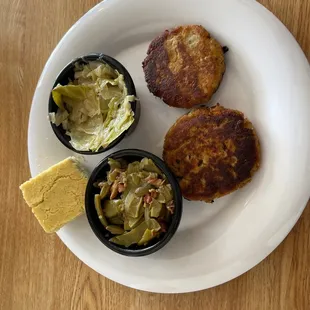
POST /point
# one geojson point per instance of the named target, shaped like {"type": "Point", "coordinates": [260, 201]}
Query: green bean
{"type": "Point", "coordinates": [115, 230]}
{"type": "Point", "coordinates": [112, 208]}
{"type": "Point", "coordinates": [113, 164]}
{"type": "Point", "coordinates": [99, 211]}
{"type": "Point", "coordinates": [117, 220]}
{"type": "Point", "coordinates": [148, 165]}
{"type": "Point", "coordinates": [147, 236]}
{"type": "Point", "coordinates": [135, 202]}
{"type": "Point", "coordinates": [131, 237]}
{"type": "Point", "coordinates": [104, 190]}
{"type": "Point", "coordinates": [155, 208]}
{"type": "Point", "coordinates": [152, 224]}
{"type": "Point", "coordinates": [143, 190]}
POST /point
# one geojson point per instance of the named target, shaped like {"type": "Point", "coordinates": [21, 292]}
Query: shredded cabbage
{"type": "Point", "coordinates": [95, 108]}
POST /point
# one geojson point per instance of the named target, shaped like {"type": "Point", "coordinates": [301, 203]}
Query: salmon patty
{"type": "Point", "coordinates": [184, 66]}
{"type": "Point", "coordinates": [212, 151]}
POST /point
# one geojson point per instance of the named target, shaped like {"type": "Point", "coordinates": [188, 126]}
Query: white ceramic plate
{"type": "Point", "coordinates": [267, 78]}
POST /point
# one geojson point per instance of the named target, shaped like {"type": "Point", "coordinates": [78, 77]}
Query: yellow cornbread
{"type": "Point", "coordinates": [56, 196]}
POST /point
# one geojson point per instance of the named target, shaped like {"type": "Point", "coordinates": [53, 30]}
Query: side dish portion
{"type": "Point", "coordinates": [94, 108]}
{"type": "Point", "coordinates": [135, 202]}
{"type": "Point", "coordinates": [56, 196]}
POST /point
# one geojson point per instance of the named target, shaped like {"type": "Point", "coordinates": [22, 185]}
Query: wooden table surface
{"type": "Point", "coordinates": [36, 270]}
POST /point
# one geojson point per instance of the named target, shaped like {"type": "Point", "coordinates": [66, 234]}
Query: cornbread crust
{"type": "Point", "coordinates": [213, 152]}
{"type": "Point", "coordinates": [56, 196]}
{"type": "Point", "coordinates": [184, 66]}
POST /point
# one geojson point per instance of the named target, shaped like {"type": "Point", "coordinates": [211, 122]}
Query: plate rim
{"type": "Point", "coordinates": [249, 264]}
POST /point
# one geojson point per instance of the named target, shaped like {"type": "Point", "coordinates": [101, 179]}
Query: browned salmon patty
{"type": "Point", "coordinates": [184, 66]}
{"type": "Point", "coordinates": [212, 151]}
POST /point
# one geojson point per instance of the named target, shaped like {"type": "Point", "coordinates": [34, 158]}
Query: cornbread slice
{"type": "Point", "coordinates": [56, 196]}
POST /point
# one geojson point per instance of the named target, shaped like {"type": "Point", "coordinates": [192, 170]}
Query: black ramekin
{"type": "Point", "coordinates": [100, 173]}
{"type": "Point", "coordinates": [67, 74]}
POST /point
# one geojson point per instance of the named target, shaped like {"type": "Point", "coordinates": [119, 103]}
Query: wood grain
{"type": "Point", "coordinates": [36, 270]}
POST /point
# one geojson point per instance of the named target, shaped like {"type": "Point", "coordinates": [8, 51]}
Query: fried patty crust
{"type": "Point", "coordinates": [212, 151]}
{"type": "Point", "coordinates": [184, 66]}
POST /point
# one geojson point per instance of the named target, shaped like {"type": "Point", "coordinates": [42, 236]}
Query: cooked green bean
{"type": "Point", "coordinates": [115, 230]}
{"type": "Point", "coordinates": [143, 190]}
{"type": "Point", "coordinates": [135, 199]}
{"type": "Point", "coordinates": [99, 211]}
{"type": "Point", "coordinates": [155, 208]}
{"type": "Point", "coordinates": [114, 164]}
{"type": "Point", "coordinates": [131, 237]}
{"type": "Point", "coordinates": [105, 188]}
{"type": "Point", "coordinates": [117, 220]}
{"type": "Point", "coordinates": [147, 237]}
{"type": "Point", "coordinates": [112, 207]}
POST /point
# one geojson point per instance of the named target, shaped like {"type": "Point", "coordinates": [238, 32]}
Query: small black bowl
{"type": "Point", "coordinates": [67, 74]}
{"type": "Point", "coordinates": [100, 173]}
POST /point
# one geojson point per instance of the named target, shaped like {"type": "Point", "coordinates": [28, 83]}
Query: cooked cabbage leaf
{"type": "Point", "coordinates": [95, 108]}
